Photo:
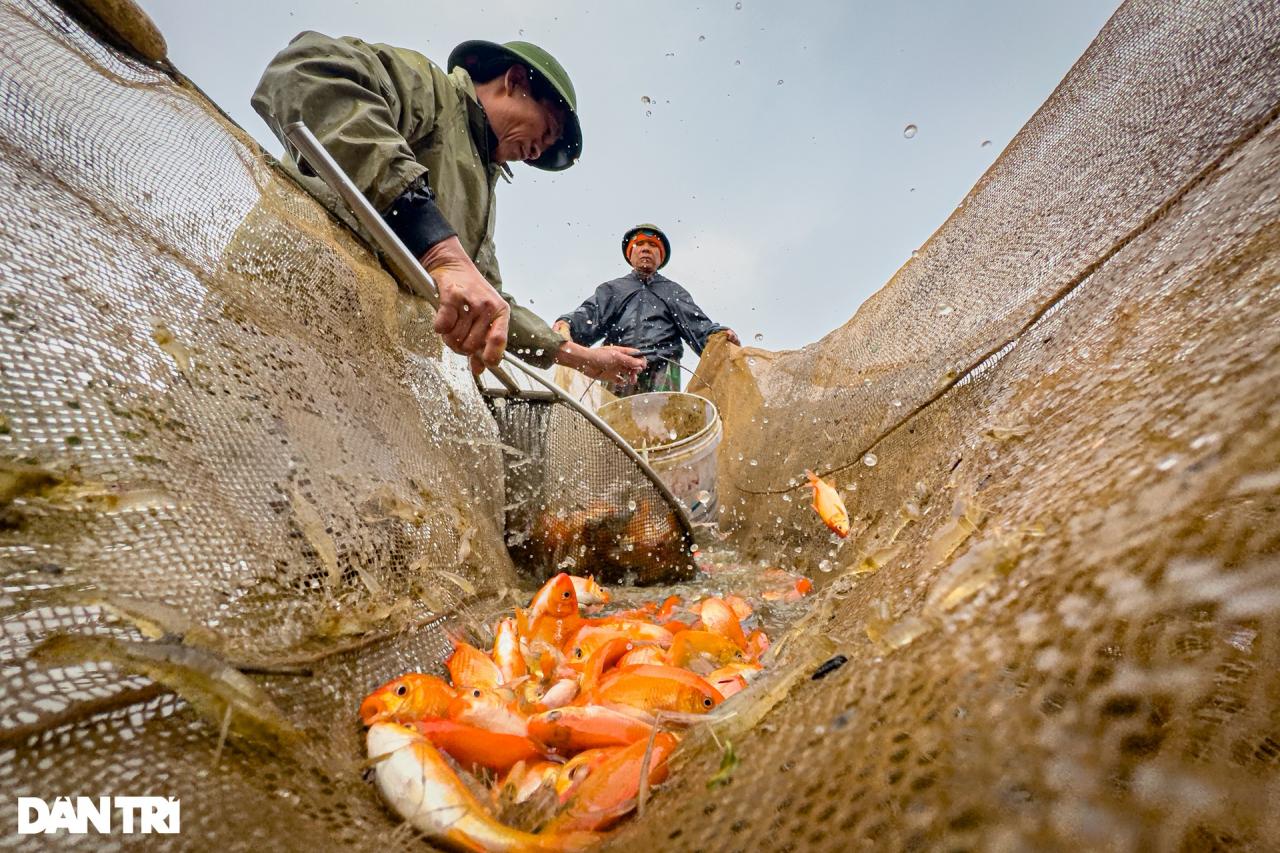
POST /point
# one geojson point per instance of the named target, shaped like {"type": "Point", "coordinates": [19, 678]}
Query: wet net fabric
{"type": "Point", "coordinates": [222, 426]}
{"type": "Point", "coordinates": [576, 502]}
{"type": "Point", "coordinates": [1056, 430]}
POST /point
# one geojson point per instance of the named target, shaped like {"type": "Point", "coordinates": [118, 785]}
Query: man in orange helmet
{"type": "Point", "coordinates": [644, 310]}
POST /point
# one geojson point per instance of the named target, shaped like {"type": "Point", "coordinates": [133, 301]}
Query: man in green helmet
{"type": "Point", "coordinates": [646, 311]}
{"type": "Point", "coordinates": [427, 147]}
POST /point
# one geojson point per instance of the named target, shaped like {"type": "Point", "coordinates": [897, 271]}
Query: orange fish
{"type": "Point", "coordinates": [739, 606]}
{"type": "Point", "coordinates": [733, 677]}
{"type": "Point", "coordinates": [588, 591]}
{"type": "Point", "coordinates": [657, 688]}
{"type": "Point", "coordinates": [643, 654]}
{"type": "Point", "coordinates": [506, 651]}
{"type": "Point", "coordinates": [612, 789]}
{"type": "Point", "coordinates": [703, 651]}
{"type": "Point", "coordinates": [526, 778]}
{"type": "Point", "coordinates": [604, 657]}
{"type": "Point", "coordinates": [827, 503]}
{"type": "Point", "coordinates": [591, 637]}
{"type": "Point", "coordinates": [578, 727]}
{"type": "Point", "coordinates": [718, 618]}
{"type": "Point", "coordinates": [757, 644]}
{"type": "Point", "coordinates": [409, 697]}
{"type": "Point", "coordinates": [488, 709]}
{"type": "Point", "coordinates": [574, 771]}
{"type": "Point", "coordinates": [556, 598]}
{"type": "Point", "coordinates": [470, 667]}
{"type": "Point", "coordinates": [476, 747]}
{"type": "Point", "coordinates": [418, 784]}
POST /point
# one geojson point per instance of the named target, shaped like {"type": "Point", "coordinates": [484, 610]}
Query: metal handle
{"type": "Point", "coordinates": [417, 279]}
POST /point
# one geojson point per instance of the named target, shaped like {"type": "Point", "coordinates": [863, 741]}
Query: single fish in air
{"type": "Point", "coordinates": [827, 503]}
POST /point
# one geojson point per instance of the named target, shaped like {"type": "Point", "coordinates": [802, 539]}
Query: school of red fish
{"type": "Point", "coordinates": [571, 708]}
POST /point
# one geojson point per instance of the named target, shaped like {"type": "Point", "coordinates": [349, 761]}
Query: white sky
{"type": "Point", "coordinates": [785, 182]}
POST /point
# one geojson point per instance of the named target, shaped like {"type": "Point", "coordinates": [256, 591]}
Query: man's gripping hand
{"type": "Point", "coordinates": [473, 316]}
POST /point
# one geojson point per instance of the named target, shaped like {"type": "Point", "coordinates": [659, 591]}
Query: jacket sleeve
{"type": "Point", "coordinates": [695, 326]}
{"type": "Point", "coordinates": [368, 105]}
{"type": "Point", "coordinates": [586, 322]}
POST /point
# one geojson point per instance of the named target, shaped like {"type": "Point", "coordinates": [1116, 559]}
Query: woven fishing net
{"type": "Point", "coordinates": [1056, 430]}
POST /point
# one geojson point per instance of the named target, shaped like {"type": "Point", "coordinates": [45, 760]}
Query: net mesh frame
{"type": "Point", "coordinates": [1057, 602]}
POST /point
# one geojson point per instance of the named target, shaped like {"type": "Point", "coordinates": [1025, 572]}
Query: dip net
{"type": "Point", "coordinates": [238, 472]}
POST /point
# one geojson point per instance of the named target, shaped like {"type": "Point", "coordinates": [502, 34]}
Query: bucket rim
{"type": "Point", "coordinates": [711, 423]}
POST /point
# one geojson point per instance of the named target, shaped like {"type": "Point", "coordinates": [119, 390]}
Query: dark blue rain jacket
{"type": "Point", "coordinates": [655, 317]}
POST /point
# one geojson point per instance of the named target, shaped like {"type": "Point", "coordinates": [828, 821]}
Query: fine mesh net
{"type": "Point", "coordinates": [222, 426]}
{"type": "Point", "coordinates": [577, 502]}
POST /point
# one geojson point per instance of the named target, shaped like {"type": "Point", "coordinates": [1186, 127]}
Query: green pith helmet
{"type": "Point", "coordinates": [567, 150]}
{"type": "Point", "coordinates": [652, 229]}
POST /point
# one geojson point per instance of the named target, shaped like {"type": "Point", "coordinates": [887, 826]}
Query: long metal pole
{"type": "Point", "coordinates": [419, 281]}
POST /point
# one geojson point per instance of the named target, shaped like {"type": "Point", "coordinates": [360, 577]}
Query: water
{"type": "Point", "coordinates": [910, 131]}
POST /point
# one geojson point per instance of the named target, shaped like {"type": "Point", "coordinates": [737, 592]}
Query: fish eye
{"type": "Point", "coordinates": [565, 594]}
{"type": "Point", "coordinates": [402, 690]}
{"type": "Point", "coordinates": [577, 653]}
{"type": "Point", "coordinates": [476, 693]}
{"type": "Point", "coordinates": [706, 702]}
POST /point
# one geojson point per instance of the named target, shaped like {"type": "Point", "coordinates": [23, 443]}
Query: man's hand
{"type": "Point", "coordinates": [472, 317]}
{"type": "Point", "coordinates": [731, 335]}
{"type": "Point", "coordinates": [620, 365]}
{"type": "Point", "coordinates": [561, 328]}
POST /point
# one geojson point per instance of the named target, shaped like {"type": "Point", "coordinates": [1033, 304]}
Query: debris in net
{"type": "Point", "coordinates": [979, 566]}
{"type": "Point", "coordinates": [829, 666]}
{"type": "Point", "coordinates": [999, 433]}
{"type": "Point", "coordinates": [563, 720]}
{"type": "Point", "coordinates": [828, 505]}
{"type": "Point", "coordinates": [966, 515]}
{"type": "Point", "coordinates": [212, 687]}
{"type": "Point", "coordinates": [168, 341]}
{"type": "Point", "coordinates": [728, 761]}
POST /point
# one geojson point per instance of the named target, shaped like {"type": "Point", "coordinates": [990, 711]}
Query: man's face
{"type": "Point", "coordinates": [646, 254]}
{"type": "Point", "coordinates": [525, 127]}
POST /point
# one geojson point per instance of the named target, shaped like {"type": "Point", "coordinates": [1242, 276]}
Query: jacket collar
{"type": "Point", "coordinates": [653, 279]}
{"type": "Point", "coordinates": [482, 134]}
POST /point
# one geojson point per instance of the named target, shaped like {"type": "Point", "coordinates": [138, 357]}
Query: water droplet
{"type": "Point", "coordinates": [738, 5]}
{"type": "Point", "coordinates": [986, 143]}
{"type": "Point", "coordinates": [737, 62]}
{"type": "Point", "coordinates": [1205, 441]}
{"type": "Point", "coordinates": [909, 131]}
{"type": "Point", "coordinates": [945, 310]}
{"type": "Point", "coordinates": [754, 463]}
{"type": "Point", "coordinates": [870, 460]}
{"type": "Point", "coordinates": [897, 404]}
{"type": "Point", "coordinates": [645, 99]}
{"type": "Point", "coordinates": [648, 112]}
{"type": "Point", "coordinates": [786, 498]}
{"type": "Point", "coordinates": [825, 566]}
{"type": "Point", "coordinates": [631, 505]}
{"type": "Point", "coordinates": [702, 38]}
{"type": "Point", "coordinates": [1167, 463]}
{"type": "Point", "coordinates": [759, 337]}
{"type": "Point", "coordinates": [779, 81]}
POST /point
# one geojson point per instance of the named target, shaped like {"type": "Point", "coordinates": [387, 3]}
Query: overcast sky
{"type": "Point", "coordinates": [767, 139]}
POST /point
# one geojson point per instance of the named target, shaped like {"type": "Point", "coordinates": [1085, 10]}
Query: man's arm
{"type": "Point", "coordinates": [694, 325]}
{"type": "Point", "coordinates": [586, 322]}
{"type": "Point", "coordinates": [368, 105]}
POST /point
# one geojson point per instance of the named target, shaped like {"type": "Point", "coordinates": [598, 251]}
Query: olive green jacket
{"type": "Point", "coordinates": [389, 116]}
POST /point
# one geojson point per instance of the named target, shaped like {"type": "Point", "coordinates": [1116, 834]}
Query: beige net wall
{"type": "Point", "coordinates": [220, 425]}
{"type": "Point", "coordinates": [219, 421]}
{"type": "Point", "coordinates": [1061, 597]}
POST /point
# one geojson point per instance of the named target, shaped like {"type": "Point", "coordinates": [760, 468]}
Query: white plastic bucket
{"type": "Point", "coordinates": [678, 435]}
